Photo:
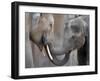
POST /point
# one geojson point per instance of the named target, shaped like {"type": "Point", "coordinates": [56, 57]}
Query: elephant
{"type": "Point", "coordinates": [51, 34]}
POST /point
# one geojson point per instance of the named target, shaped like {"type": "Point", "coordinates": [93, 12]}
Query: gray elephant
{"type": "Point", "coordinates": [53, 37]}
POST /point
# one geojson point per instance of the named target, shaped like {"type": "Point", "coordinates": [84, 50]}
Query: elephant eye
{"type": "Point", "coordinates": [75, 28]}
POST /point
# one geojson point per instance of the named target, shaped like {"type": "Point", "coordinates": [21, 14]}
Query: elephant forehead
{"type": "Point", "coordinates": [48, 18]}
{"type": "Point", "coordinates": [77, 25]}
{"type": "Point", "coordinates": [51, 19]}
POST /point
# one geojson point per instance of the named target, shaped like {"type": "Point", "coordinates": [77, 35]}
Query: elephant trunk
{"type": "Point", "coordinates": [52, 56]}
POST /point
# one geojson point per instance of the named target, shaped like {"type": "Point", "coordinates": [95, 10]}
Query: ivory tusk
{"type": "Point", "coordinates": [49, 52]}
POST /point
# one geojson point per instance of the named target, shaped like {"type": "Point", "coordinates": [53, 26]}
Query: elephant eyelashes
{"type": "Point", "coordinates": [75, 28]}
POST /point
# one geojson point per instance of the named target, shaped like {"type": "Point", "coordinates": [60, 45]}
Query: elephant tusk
{"type": "Point", "coordinates": [49, 54]}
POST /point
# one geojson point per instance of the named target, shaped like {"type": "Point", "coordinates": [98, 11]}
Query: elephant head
{"type": "Point", "coordinates": [58, 37]}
